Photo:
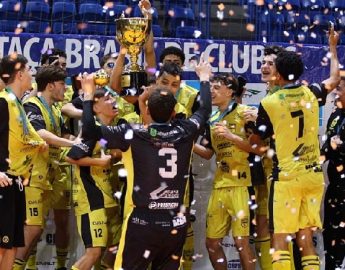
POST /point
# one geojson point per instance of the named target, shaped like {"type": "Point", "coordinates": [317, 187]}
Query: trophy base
{"type": "Point", "coordinates": [132, 82]}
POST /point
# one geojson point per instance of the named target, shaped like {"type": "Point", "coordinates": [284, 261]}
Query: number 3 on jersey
{"type": "Point", "coordinates": [171, 167]}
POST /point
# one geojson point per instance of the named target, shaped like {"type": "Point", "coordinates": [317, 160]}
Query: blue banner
{"type": "Point", "coordinates": [237, 57]}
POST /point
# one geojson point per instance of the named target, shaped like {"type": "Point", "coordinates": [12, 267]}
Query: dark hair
{"type": "Point", "coordinates": [52, 52]}
{"type": "Point", "coordinates": [230, 81]}
{"type": "Point", "coordinates": [49, 74]}
{"type": "Point", "coordinates": [273, 50]}
{"type": "Point", "coordinates": [172, 50]}
{"type": "Point", "coordinates": [161, 104]}
{"type": "Point", "coordinates": [106, 57]}
{"type": "Point", "coordinates": [289, 65]}
{"type": "Point", "coordinates": [170, 68]}
{"type": "Point", "coordinates": [99, 93]}
{"type": "Point", "coordinates": [9, 66]}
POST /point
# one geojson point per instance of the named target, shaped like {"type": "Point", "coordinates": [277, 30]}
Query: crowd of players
{"type": "Point", "coordinates": [126, 170]}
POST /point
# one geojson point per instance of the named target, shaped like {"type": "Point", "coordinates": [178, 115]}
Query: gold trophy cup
{"type": "Point", "coordinates": [132, 33]}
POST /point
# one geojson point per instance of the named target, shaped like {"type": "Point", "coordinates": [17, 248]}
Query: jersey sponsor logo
{"type": "Point", "coordinates": [179, 221]}
{"type": "Point", "coordinates": [163, 205]}
{"type": "Point", "coordinates": [161, 192]}
{"type": "Point", "coordinates": [33, 117]}
{"type": "Point", "coordinates": [224, 166]}
{"type": "Point", "coordinates": [244, 222]}
{"type": "Point", "coordinates": [99, 222]}
{"type": "Point", "coordinates": [136, 220]}
{"type": "Point", "coordinates": [82, 146]}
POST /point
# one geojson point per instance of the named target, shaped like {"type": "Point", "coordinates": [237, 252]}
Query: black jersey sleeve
{"type": "Point", "coordinates": [4, 134]}
{"type": "Point", "coordinates": [81, 150]}
{"type": "Point", "coordinates": [118, 137]}
{"type": "Point", "coordinates": [200, 117]}
{"type": "Point", "coordinates": [35, 116]}
{"type": "Point", "coordinates": [206, 138]}
{"type": "Point", "coordinates": [320, 91]}
{"type": "Point", "coordinates": [78, 102]}
{"type": "Point", "coordinates": [263, 125]}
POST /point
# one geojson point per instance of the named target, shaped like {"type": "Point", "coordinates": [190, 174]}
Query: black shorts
{"type": "Point", "coordinates": [144, 244]}
{"type": "Point", "coordinates": [13, 216]}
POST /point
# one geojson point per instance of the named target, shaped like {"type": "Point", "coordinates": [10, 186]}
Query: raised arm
{"type": "Point", "coordinates": [334, 78]}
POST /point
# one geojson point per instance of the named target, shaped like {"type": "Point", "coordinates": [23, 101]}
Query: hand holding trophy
{"type": "Point", "coordinates": [132, 34]}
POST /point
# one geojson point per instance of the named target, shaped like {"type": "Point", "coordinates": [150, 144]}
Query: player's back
{"type": "Point", "coordinates": [294, 115]}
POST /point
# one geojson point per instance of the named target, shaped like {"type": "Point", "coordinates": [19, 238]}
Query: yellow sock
{"type": "Point", "coordinates": [281, 260]}
{"type": "Point", "coordinates": [31, 264]}
{"type": "Point", "coordinates": [291, 255]}
{"type": "Point", "coordinates": [311, 262]}
{"type": "Point", "coordinates": [262, 247]}
{"type": "Point", "coordinates": [61, 257]}
{"type": "Point", "coordinates": [188, 249]}
{"type": "Point", "coordinates": [74, 268]}
{"type": "Point", "coordinates": [19, 264]}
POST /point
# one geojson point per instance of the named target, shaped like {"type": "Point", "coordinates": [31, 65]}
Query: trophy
{"type": "Point", "coordinates": [132, 33]}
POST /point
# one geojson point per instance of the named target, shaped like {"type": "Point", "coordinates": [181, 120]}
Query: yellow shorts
{"type": "Point", "coordinates": [261, 195]}
{"type": "Point", "coordinates": [100, 228]}
{"type": "Point", "coordinates": [295, 204]}
{"type": "Point", "coordinates": [62, 187]}
{"type": "Point", "coordinates": [229, 208]}
{"type": "Point", "coordinates": [37, 206]}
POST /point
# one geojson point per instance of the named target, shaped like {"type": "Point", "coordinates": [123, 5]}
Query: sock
{"type": "Point", "coordinates": [188, 249]}
{"type": "Point", "coordinates": [31, 264]}
{"type": "Point", "coordinates": [262, 247]}
{"type": "Point", "coordinates": [19, 264]}
{"type": "Point", "coordinates": [293, 244]}
{"type": "Point", "coordinates": [61, 257]}
{"type": "Point", "coordinates": [281, 260]}
{"type": "Point", "coordinates": [311, 262]}
{"type": "Point", "coordinates": [74, 268]}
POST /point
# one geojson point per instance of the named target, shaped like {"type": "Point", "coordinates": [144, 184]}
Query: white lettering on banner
{"type": "Point", "coordinates": [27, 49]}
{"type": "Point", "coordinates": [3, 40]}
{"type": "Point", "coordinates": [15, 46]}
{"type": "Point", "coordinates": [187, 51]}
{"type": "Point", "coordinates": [110, 46]}
{"type": "Point", "coordinates": [73, 48]}
{"type": "Point", "coordinates": [223, 66]}
{"type": "Point", "coordinates": [48, 45]}
{"type": "Point", "coordinates": [236, 55]}
{"type": "Point", "coordinates": [91, 49]}
{"type": "Point", "coordinates": [207, 53]}
{"type": "Point", "coordinates": [257, 55]}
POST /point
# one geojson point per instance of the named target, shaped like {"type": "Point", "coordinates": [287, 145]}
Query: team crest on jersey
{"type": "Point", "coordinates": [5, 239]}
{"type": "Point", "coordinates": [224, 166]}
{"type": "Point", "coordinates": [153, 132]}
{"type": "Point", "coordinates": [244, 222]}
{"type": "Point", "coordinates": [334, 123]}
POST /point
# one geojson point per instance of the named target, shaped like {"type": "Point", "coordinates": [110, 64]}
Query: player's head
{"type": "Point", "coordinates": [170, 76]}
{"type": "Point", "coordinates": [161, 104]}
{"type": "Point", "coordinates": [54, 57]}
{"type": "Point", "coordinates": [52, 80]}
{"type": "Point", "coordinates": [14, 69]}
{"type": "Point", "coordinates": [225, 87]}
{"type": "Point", "coordinates": [108, 62]}
{"type": "Point", "coordinates": [268, 68]}
{"type": "Point", "coordinates": [289, 67]}
{"type": "Point", "coordinates": [172, 54]}
{"type": "Point", "coordinates": [104, 104]}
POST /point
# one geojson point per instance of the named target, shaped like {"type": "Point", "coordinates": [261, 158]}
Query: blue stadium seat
{"type": "Point", "coordinates": [8, 25]}
{"type": "Point", "coordinates": [94, 29]}
{"type": "Point", "coordinates": [276, 28]}
{"type": "Point", "coordinates": [186, 31]}
{"type": "Point", "coordinates": [113, 13]}
{"type": "Point", "coordinates": [36, 11]}
{"type": "Point", "coordinates": [335, 4]}
{"type": "Point", "coordinates": [11, 10]}
{"type": "Point", "coordinates": [301, 18]}
{"type": "Point", "coordinates": [182, 17]}
{"type": "Point", "coordinates": [157, 30]}
{"type": "Point", "coordinates": [64, 11]}
{"type": "Point", "coordinates": [90, 12]}
{"type": "Point", "coordinates": [65, 28]}
{"type": "Point", "coordinates": [321, 21]}
{"type": "Point", "coordinates": [176, 3]}
{"type": "Point", "coordinates": [37, 27]}
{"type": "Point", "coordinates": [111, 30]}
{"type": "Point", "coordinates": [90, 2]}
